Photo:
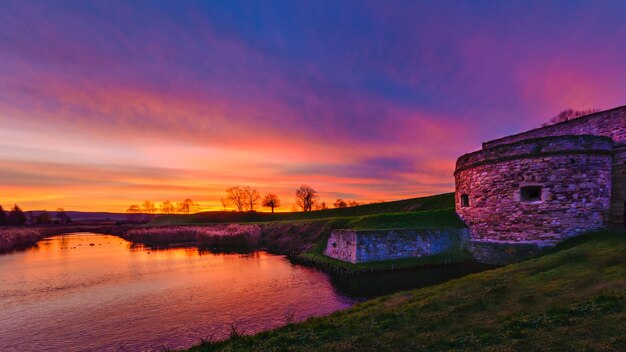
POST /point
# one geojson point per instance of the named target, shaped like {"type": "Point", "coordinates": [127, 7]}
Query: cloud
{"type": "Point", "coordinates": [106, 103]}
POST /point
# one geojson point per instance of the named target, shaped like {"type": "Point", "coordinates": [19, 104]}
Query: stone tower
{"type": "Point", "coordinates": [545, 185]}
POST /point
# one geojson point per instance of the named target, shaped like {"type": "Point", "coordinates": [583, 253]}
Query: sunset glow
{"type": "Point", "coordinates": [106, 104]}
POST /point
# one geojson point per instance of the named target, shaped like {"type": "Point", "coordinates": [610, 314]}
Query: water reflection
{"type": "Point", "coordinates": [89, 292]}
{"type": "Point", "coordinates": [378, 284]}
{"type": "Point", "coordinates": [100, 293]}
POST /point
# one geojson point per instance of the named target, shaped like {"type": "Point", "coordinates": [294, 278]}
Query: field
{"type": "Point", "coordinates": [572, 299]}
{"type": "Point", "coordinates": [441, 201]}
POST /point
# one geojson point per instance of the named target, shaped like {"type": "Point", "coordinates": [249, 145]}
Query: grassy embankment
{"type": "Point", "coordinates": [440, 201]}
{"type": "Point", "coordinates": [573, 299]}
{"type": "Point", "coordinates": [303, 236]}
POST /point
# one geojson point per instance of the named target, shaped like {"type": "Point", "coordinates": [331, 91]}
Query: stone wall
{"type": "Point", "coordinates": [342, 245]}
{"type": "Point", "coordinates": [375, 245]}
{"type": "Point", "coordinates": [608, 123]}
{"type": "Point", "coordinates": [574, 173]}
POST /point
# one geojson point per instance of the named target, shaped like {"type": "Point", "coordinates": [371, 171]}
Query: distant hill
{"type": "Point", "coordinates": [441, 201]}
{"type": "Point", "coordinates": [86, 216]}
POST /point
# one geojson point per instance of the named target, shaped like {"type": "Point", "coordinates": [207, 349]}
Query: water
{"type": "Point", "coordinates": [90, 292]}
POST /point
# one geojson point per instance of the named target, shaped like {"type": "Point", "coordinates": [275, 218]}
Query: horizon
{"type": "Point", "coordinates": [105, 105]}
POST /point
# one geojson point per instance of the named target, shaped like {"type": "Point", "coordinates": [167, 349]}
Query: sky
{"type": "Point", "coordinates": [104, 104]}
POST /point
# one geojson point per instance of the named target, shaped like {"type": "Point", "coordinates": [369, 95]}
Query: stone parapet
{"type": "Point", "coordinates": [537, 147]}
{"type": "Point", "coordinates": [608, 123]}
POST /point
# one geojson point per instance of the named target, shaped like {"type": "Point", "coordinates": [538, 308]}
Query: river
{"type": "Point", "coordinates": [94, 292]}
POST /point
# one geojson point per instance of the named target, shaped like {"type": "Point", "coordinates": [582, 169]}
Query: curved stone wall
{"type": "Point", "coordinates": [544, 189]}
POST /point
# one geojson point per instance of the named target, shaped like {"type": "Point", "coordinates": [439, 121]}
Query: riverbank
{"type": "Point", "coordinates": [15, 238]}
{"type": "Point", "coordinates": [301, 236]}
{"type": "Point", "coordinates": [570, 299]}
{"type": "Point", "coordinates": [303, 241]}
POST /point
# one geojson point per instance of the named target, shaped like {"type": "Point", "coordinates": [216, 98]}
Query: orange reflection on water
{"type": "Point", "coordinates": [100, 293]}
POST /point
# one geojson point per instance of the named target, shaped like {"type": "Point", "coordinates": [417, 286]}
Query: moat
{"type": "Point", "coordinates": [92, 292]}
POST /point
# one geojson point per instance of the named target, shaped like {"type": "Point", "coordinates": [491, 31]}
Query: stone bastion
{"type": "Point", "coordinates": [534, 191]}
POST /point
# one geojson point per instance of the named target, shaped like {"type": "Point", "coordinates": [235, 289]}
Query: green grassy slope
{"type": "Point", "coordinates": [305, 240]}
{"type": "Point", "coordinates": [573, 299]}
{"type": "Point", "coordinates": [441, 201]}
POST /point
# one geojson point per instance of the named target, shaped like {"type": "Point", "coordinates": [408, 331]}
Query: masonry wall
{"type": "Point", "coordinates": [573, 171]}
{"type": "Point", "coordinates": [342, 245]}
{"type": "Point", "coordinates": [609, 123]}
{"type": "Point", "coordinates": [376, 245]}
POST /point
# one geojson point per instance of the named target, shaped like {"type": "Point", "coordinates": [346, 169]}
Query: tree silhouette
{"type": "Point", "coordinates": [237, 196]}
{"type": "Point", "coordinates": [271, 201]}
{"type": "Point", "coordinates": [3, 217]}
{"type": "Point", "coordinates": [148, 207]}
{"type": "Point", "coordinates": [321, 206]}
{"type": "Point", "coordinates": [306, 198]}
{"type": "Point", "coordinates": [167, 207]}
{"type": "Point", "coordinates": [17, 216]}
{"type": "Point", "coordinates": [133, 213]}
{"type": "Point", "coordinates": [187, 206]}
{"type": "Point", "coordinates": [44, 218]}
{"type": "Point", "coordinates": [569, 114]}
{"type": "Point", "coordinates": [62, 216]}
{"type": "Point", "coordinates": [252, 197]}
{"type": "Point", "coordinates": [340, 203]}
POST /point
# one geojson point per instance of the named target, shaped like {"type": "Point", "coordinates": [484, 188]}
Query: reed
{"type": "Point", "coordinates": [232, 235]}
{"type": "Point", "coordinates": [17, 237]}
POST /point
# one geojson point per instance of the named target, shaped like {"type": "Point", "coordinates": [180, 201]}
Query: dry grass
{"type": "Point", "coordinates": [17, 237]}
{"type": "Point", "coordinates": [232, 235]}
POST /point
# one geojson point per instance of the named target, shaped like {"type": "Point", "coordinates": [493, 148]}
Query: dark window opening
{"type": "Point", "coordinates": [334, 245]}
{"type": "Point", "coordinates": [531, 193]}
{"type": "Point", "coordinates": [464, 201]}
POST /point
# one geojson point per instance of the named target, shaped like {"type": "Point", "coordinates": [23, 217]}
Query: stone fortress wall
{"type": "Point", "coordinates": [546, 184]}
{"type": "Point", "coordinates": [361, 246]}
{"type": "Point", "coordinates": [608, 123]}
{"type": "Point", "coordinates": [518, 195]}
{"type": "Point", "coordinates": [570, 177]}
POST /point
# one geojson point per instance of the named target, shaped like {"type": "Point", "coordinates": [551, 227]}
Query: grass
{"type": "Point", "coordinates": [440, 201]}
{"type": "Point", "coordinates": [17, 237]}
{"type": "Point", "coordinates": [303, 235]}
{"type": "Point", "coordinates": [231, 236]}
{"type": "Point", "coordinates": [316, 258]}
{"type": "Point", "coordinates": [573, 299]}
{"type": "Point", "coordinates": [444, 218]}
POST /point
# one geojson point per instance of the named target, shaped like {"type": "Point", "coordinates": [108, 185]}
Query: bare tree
{"type": "Point", "coordinates": [271, 201]}
{"type": "Point", "coordinates": [569, 114]}
{"type": "Point", "coordinates": [321, 206]}
{"type": "Point", "coordinates": [306, 197]}
{"type": "Point", "coordinates": [354, 203]}
{"type": "Point", "coordinates": [187, 206]}
{"type": "Point", "coordinates": [148, 207]}
{"type": "Point", "coordinates": [252, 197]}
{"type": "Point", "coordinates": [62, 216]}
{"type": "Point", "coordinates": [237, 196]}
{"type": "Point", "coordinates": [167, 207]}
{"type": "Point", "coordinates": [224, 203]}
{"type": "Point", "coordinates": [133, 213]}
{"type": "Point", "coordinates": [340, 203]}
